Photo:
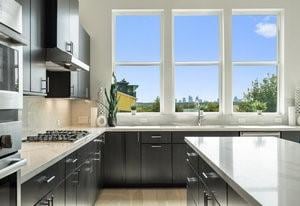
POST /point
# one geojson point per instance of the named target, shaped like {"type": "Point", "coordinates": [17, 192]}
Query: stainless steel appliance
{"type": "Point", "coordinates": [11, 101]}
{"type": "Point", "coordinates": [58, 136]}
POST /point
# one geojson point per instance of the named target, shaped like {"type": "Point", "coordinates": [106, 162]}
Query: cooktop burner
{"type": "Point", "coordinates": [58, 136]}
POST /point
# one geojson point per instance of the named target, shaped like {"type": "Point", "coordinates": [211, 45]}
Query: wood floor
{"type": "Point", "coordinates": [142, 197]}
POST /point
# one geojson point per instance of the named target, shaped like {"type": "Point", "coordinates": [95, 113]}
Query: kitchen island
{"type": "Point", "coordinates": [243, 171]}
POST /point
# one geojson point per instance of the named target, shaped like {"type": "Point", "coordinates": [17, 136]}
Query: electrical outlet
{"type": "Point", "coordinates": [58, 123]}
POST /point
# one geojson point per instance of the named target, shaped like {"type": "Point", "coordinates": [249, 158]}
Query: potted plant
{"type": "Point", "coordinates": [112, 101]}
{"type": "Point", "coordinates": [133, 109]}
{"type": "Point", "coordinates": [260, 107]}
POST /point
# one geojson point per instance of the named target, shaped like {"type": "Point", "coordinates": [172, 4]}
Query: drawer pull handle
{"type": "Point", "coordinates": [191, 179]}
{"type": "Point", "coordinates": [191, 154]}
{"type": "Point", "coordinates": [50, 179]}
{"type": "Point", "coordinates": [156, 137]}
{"type": "Point", "coordinates": [156, 146]}
{"type": "Point", "coordinates": [204, 175]}
{"type": "Point", "coordinates": [98, 140]}
{"type": "Point", "coordinates": [74, 161]}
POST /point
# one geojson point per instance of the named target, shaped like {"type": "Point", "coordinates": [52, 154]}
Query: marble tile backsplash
{"type": "Point", "coordinates": [40, 113]}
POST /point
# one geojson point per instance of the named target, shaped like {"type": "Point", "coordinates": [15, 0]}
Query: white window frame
{"type": "Point", "coordinates": [279, 64]}
{"type": "Point", "coordinates": [141, 12]}
{"type": "Point", "coordinates": [220, 63]}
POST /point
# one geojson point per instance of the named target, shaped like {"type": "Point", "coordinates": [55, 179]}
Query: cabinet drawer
{"type": "Point", "coordinates": [192, 158]}
{"type": "Point", "coordinates": [71, 163]}
{"type": "Point", "coordinates": [215, 184]}
{"type": "Point", "coordinates": [156, 137]}
{"type": "Point", "coordinates": [38, 186]}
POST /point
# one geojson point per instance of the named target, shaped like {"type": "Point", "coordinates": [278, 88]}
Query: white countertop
{"type": "Point", "coordinates": [41, 155]}
{"type": "Point", "coordinates": [264, 171]}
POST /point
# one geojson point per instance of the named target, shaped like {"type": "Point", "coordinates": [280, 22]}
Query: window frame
{"type": "Point", "coordinates": [159, 64]}
{"type": "Point", "coordinates": [278, 64]}
{"type": "Point", "coordinates": [219, 64]}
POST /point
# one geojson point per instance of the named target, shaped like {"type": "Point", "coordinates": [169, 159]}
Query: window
{"type": "Point", "coordinates": [255, 54]}
{"type": "Point", "coordinates": [197, 62]}
{"type": "Point", "coordinates": [137, 60]}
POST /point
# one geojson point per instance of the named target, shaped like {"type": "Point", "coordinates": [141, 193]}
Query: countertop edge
{"type": "Point", "coordinates": [244, 194]}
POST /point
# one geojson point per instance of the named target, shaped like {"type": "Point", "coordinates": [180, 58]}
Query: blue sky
{"type": "Point", "coordinates": [196, 39]}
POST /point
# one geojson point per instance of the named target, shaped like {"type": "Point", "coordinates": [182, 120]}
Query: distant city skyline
{"type": "Point", "coordinates": [196, 39]}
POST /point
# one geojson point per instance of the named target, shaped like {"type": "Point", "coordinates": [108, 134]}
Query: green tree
{"type": "Point", "coordinates": [156, 105]}
{"type": "Point", "coordinates": [264, 92]}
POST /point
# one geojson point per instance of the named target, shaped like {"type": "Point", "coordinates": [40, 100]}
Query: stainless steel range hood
{"type": "Point", "coordinates": [11, 22]}
{"type": "Point", "coordinates": [56, 59]}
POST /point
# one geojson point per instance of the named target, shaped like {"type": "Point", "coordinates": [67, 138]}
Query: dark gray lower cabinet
{"type": "Point", "coordinates": [156, 164]}
{"type": "Point", "coordinates": [133, 159]}
{"type": "Point", "coordinates": [72, 181]}
{"type": "Point", "coordinates": [179, 164]}
{"type": "Point", "coordinates": [206, 188]}
{"type": "Point", "coordinates": [114, 159]}
{"type": "Point", "coordinates": [291, 136]}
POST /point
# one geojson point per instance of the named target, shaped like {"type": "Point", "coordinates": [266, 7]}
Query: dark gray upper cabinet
{"type": "Point", "coordinates": [62, 19]}
{"type": "Point", "coordinates": [37, 47]}
{"type": "Point", "coordinates": [34, 68]}
{"type": "Point", "coordinates": [84, 45]}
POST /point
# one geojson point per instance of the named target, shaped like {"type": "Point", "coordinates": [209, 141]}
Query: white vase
{"type": "Point", "coordinates": [259, 112]}
{"type": "Point", "coordinates": [101, 121]}
{"type": "Point", "coordinates": [133, 112]}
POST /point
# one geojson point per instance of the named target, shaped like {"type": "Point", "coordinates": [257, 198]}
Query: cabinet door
{"type": "Point", "coordinates": [38, 66]}
{"type": "Point", "coordinates": [71, 189]}
{"type": "Point", "coordinates": [26, 49]}
{"type": "Point", "coordinates": [84, 84]}
{"type": "Point", "coordinates": [291, 136]}
{"type": "Point", "coordinates": [179, 164]}
{"type": "Point", "coordinates": [74, 90]}
{"type": "Point", "coordinates": [114, 159]}
{"type": "Point", "coordinates": [83, 185]}
{"type": "Point", "coordinates": [74, 26]}
{"type": "Point", "coordinates": [58, 195]}
{"type": "Point", "coordinates": [84, 46]}
{"type": "Point", "coordinates": [133, 158]}
{"type": "Point", "coordinates": [234, 199]}
{"type": "Point", "coordinates": [156, 164]}
{"type": "Point", "coordinates": [213, 181]}
{"type": "Point", "coordinates": [63, 25]}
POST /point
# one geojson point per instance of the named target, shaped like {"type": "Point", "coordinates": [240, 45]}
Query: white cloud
{"type": "Point", "coordinates": [267, 30]}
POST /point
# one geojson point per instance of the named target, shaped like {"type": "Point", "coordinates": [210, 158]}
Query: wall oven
{"type": "Point", "coordinates": [11, 101]}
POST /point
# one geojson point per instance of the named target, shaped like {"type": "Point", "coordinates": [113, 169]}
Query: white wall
{"type": "Point", "coordinates": [96, 16]}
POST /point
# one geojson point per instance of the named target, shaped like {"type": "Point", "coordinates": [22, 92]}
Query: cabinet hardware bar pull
{"type": "Point", "coordinates": [204, 175]}
{"type": "Point", "coordinates": [98, 140]}
{"type": "Point", "coordinates": [156, 146]}
{"type": "Point", "coordinates": [191, 179]}
{"type": "Point", "coordinates": [50, 179]}
{"type": "Point", "coordinates": [48, 85]}
{"type": "Point", "coordinates": [156, 137]}
{"type": "Point", "coordinates": [75, 160]}
{"type": "Point", "coordinates": [191, 154]}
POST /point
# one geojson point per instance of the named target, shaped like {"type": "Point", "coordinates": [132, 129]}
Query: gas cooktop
{"type": "Point", "coordinates": [58, 136]}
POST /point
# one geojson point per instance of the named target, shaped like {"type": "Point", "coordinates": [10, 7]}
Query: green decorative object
{"type": "Point", "coordinates": [112, 101]}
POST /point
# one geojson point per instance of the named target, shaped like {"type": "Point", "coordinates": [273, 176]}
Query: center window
{"type": "Point", "coordinates": [197, 61]}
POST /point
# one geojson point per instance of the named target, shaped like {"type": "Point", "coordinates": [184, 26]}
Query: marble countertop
{"type": "Point", "coordinates": [41, 155]}
{"type": "Point", "coordinates": [263, 170]}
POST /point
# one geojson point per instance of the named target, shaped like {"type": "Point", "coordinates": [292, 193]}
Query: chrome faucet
{"type": "Point", "coordinates": [200, 118]}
